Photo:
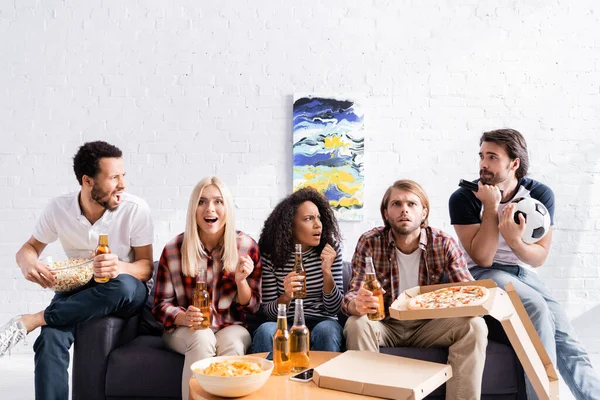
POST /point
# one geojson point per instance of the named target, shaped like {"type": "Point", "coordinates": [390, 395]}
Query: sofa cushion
{"type": "Point", "coordinates": [144, 368]}
{"type": "Point", "coordinates": [499, 376]}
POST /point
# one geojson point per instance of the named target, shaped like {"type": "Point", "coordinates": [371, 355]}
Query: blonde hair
{"type": "Point", "coordinates": [192, 249]}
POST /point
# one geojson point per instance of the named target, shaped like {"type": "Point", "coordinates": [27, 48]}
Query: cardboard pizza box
{"type": "Point", "coordinates": [381, 375]}
{"type": "Point", "coordinates": [506, 307]}
{"type": "Point", "coordinates": [399, 308]}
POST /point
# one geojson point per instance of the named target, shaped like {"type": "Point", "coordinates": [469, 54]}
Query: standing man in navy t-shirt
{"type": "Point", "coordinates": [485, 225]}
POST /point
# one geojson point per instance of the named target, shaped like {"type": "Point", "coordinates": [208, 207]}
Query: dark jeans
{"type": "Point", "coordinates": [325, 335]}
{"type": "Point", "coordinates": [123, 296]}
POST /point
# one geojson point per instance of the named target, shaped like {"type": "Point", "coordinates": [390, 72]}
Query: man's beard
{"type": "Point", "coordinates": [401, 230]}
{"type": "Point", "coordinates": [98, 194]}
{"type": "Point", "coordinates": [490, 178]}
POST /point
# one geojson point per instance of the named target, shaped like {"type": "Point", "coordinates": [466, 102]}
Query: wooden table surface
{"type": "Point", "coordinates": [281, 387]}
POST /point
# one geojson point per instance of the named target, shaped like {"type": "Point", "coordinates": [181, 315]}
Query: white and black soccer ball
{"type": "Point", "coordinates": [537, 218]}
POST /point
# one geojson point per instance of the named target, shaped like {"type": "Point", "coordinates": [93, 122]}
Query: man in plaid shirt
{"type": "Point", "coordinates": [407, 252]}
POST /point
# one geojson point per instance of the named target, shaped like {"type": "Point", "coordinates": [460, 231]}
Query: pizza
{"type": "Point", "coordinates": [450, 297]}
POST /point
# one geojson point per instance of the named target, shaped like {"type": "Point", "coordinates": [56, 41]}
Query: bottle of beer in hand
{"type": "Point", "coordinates": [299, 269]}
{"type": "Point", "coordinates": [299, 340]}
{"type": "Point", "coordinates": [102, 249]}
{"type": "Point", "coordinates": [201, 298]}
{"type": "Point", "coordinates": [373, 285]}
{"type": "Point", "coordinates": [281, 344]}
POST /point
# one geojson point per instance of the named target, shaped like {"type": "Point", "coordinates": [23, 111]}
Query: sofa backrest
{"type": "Point", "coordinates": [347, 271]}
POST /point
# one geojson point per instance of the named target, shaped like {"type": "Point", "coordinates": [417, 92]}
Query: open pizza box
{"type": "Point", "coordinates": [381, 375]}
{"type": "Point", "coordinates": [506, 307]}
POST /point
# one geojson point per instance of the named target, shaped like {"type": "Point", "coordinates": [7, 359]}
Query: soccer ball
{"type": "Point", "coordinates": [537, 218]}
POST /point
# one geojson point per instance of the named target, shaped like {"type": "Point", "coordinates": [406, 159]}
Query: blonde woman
{"type": "Point", "coordinates": [233, 271]}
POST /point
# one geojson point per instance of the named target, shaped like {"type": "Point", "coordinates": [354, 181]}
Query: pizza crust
{"type": "Point", "coordinates": [450, 297]}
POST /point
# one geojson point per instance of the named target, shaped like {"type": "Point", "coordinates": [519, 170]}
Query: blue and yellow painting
{"type": "Point", "coordinates": [329, 147]}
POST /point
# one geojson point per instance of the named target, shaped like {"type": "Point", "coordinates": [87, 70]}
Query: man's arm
{"type": "Point", "coordinates": [143, 265]}
{"type": "Point", "coordinates": [480, 241]}
{"type": "Point", "coordinates": [31, 268]}
{"type": "Point", "coordinates": [359, 301]}
{"type": "Point", "coordinates": [456, 265]}
{"type": "Point", "coordinates": [534, 254]}
{"type": "Point", "coordinates": [109, 265]}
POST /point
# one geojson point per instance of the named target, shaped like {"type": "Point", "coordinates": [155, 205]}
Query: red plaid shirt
{"type": "Point", "coordinates": [440, 255]}
{"type": "Point", "coordinates": [174, 291]}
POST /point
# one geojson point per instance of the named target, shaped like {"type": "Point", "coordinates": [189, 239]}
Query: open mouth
{"type": "Point", "coordinates": [317, 236]}
{"type": "Point", "coordinates": [211, 220]}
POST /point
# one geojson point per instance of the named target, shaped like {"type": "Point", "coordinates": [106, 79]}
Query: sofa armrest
{"type": "Point", "coordinates": [94, 340]}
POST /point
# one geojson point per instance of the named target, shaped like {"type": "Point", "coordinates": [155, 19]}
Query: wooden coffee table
{"type": "Point", "coordinates": [281, 387]}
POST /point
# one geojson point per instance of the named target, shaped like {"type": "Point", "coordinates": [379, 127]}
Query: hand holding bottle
{"type": "Point", "coordinates": [106, 266]}
{"type": "Point", "coordinates": [194, 318]}
{"type": "Point", "coordinates": [371, 290]}
{"type": "Point", "coordinates": [365, 302]}
{"type": "Point", "coordinates": [292, 283]}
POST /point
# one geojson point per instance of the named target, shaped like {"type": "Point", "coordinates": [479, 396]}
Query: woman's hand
{"type": "Point", "coordinates": [327, 258]}
{"type": "Point", "coordinates": [292, 283]}
{"type": "Point", "coordinates": [244, 268]}
{"type": "Point", "coordinates": [193, 318]}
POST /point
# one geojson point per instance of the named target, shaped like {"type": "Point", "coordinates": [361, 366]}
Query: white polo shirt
{"type": "Point", "coordinates": [130, 225]}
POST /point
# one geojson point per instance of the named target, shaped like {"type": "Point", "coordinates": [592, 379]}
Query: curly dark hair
{"type": "Point", "coordinates": [87, 159]}
{"type": "Point", "coordinates": [277, 236]}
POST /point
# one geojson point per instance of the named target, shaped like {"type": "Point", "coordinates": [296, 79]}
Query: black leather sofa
{"type": "Point", "coordinates": [121, 359]}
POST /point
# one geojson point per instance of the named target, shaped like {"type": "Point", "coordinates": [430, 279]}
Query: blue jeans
{"type": "Point", "coordinates": [325, 335]}
{"type": "Point", "coordinates": [553, 327]}
{"type": "Point", "coordinates": [123, 296]}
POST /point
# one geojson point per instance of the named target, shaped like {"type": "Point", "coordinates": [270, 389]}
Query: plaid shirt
{"type": "Point", "coordinates": [440, 256]}
{"type": "Point", "coordinates": [174, 291]}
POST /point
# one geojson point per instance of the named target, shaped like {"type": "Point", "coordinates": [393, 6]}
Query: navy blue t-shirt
{"type": "Point", "coordinates": [466, 209]}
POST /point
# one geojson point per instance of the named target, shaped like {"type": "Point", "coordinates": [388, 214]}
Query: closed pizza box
{"type": "Point", "coordinates": [381, 375]}
{"type": "Point", "coordinates": [506, 307]}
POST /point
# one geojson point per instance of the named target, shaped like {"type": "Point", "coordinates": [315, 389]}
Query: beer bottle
{"type": "Point", "coordinates": [102, 249]}
{"type": "Point", "coordinates": [201, 298]}
{"type": "Point", "coordinates": [373, 285]}
{"type": "Point", "coordinates": [281, 344]}
{"type": "Point", "coordinates": [299, 340]}
{"type": "Point", "coordinates": [299, 269]}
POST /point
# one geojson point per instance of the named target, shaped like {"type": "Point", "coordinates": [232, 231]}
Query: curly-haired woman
{"type": "Point", "coordinates": [304, 217]}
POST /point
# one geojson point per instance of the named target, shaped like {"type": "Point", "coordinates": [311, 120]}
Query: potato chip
{"type": "Point", "coordinates": [232, 368]}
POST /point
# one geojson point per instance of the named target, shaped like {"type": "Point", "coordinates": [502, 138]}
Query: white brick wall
{"type": "Point", "coordinates": [188, 89]}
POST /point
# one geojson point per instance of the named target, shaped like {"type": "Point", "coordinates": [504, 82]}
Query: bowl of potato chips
{"type": "Point", "coordinates": [232, 376]}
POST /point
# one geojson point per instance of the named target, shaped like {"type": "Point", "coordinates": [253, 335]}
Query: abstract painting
{"type": "Point", "coordinates": [329, 149]}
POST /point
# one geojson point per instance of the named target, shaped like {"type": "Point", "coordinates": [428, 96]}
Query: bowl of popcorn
{"type": "Point", "coordinates": [232, 376]}
{"type": "Point", "coordinates": [69, 274]}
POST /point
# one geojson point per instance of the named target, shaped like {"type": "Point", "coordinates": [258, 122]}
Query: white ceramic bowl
{"type": "Point", "coordinates": [232, 386]}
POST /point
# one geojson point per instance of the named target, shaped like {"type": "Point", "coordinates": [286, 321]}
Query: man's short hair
{"type": "Point", "coordinates": [408, 186]}
{"type": "Point", "coordinates": [514, 143]}
{"type": "Point", "coordinates": [87, 159]}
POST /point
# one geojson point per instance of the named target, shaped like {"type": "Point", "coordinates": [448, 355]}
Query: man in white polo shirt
{"type": "Point", "coordinates": [77, 219]}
